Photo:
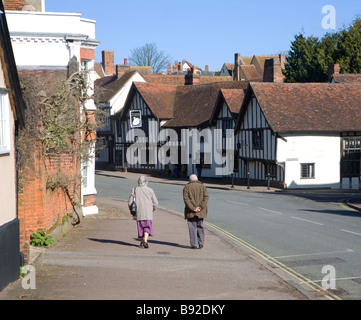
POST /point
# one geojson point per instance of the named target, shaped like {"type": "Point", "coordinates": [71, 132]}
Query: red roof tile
{"type": "Point", "coordinates": [309, 106]}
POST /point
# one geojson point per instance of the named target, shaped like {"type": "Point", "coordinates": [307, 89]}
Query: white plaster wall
{"type": "Point", "coordinates": [322, 150]}
{"type": "Point", "coordinates": [118, 101]}
{"type": "Point", "coordinates": [7, 169]}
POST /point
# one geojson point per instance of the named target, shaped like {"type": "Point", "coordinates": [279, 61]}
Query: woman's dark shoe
{"type": "Point", "coordinates": [145, 244]}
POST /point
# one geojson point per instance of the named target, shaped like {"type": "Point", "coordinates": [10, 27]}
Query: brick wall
{"type": "Point", "coordinates": [18, 5]}
{"type": "Point", "coordinates": [40, 205]}
{"type": "Point", "coordinates": [87, 54]}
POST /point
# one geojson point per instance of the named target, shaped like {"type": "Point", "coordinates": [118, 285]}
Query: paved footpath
{"type": "Point", "coordinates": [100, 259]}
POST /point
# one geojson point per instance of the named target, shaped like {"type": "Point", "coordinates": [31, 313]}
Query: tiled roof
{"type": "Point", "coordinates": [347, 78]}
{"type": "Point", "coordinates": [178, 80]}
{"type": "Point", "coordinates": [107, 87]}
{"type": "Point", "coordinates": [251, 73]}
{"type": "Point", "coordinates": [233, 98]}
{"type": "Point", "coordinates": [99, 69]}
{"type": "Point", "coordinates": [158, 97]}
{"type": "Point", "coordinates": [259, 62]}
{"type": "Point", "coordinates": [246, 60]}
{"type": "Point", "coordinates": [229, 66]}
{"type": "Point", "coordinates": [183, 106]}
{"type": "Point", "coordinates": [308, 106]}
{"type": "Point", "coordinates": [194, 105]}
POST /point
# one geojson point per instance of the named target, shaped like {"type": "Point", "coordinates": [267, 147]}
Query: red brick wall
{"type": "Point", "coordinates": [87, 54]}
{"type": "Point", "coordinates": [39, 205]}
{"type": "Point", "coordinates": [14, 5]}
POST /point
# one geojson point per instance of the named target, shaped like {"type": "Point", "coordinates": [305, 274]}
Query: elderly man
{"type": "Point", "coordinates": [195, 196]}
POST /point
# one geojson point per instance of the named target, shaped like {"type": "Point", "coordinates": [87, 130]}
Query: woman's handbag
{"type": "Point", "coordinates": [133, 206]}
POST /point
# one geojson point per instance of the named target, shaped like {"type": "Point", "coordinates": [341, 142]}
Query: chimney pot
{"type": "Point", "coordinates": [125, 61]}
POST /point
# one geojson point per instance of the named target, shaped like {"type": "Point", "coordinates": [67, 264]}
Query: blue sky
{"type": "Point", "coordinates": [205, 32]}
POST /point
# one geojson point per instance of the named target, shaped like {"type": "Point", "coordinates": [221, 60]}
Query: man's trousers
{"type": "Point", "coordinates": [196, 232]}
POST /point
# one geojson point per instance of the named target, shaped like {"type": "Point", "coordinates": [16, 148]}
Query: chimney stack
{"type": "Point", "coordinates": [273, 69]}
{"type": "Point", "coordinates": [175, 66]}
{"type": "Point", "coordinates": [237, 63]}
{"type": "Point", "coordinates": [192, 77]}
{"type": "Point", "coordinates": [332, 70]}
{"type": "Point", "coordinates": [121, 69]}
{"type": "Point", "coordinates": [206, 68]}
{"type": "Point", "coordinates": [108, 62]}
{"type": "Point", "coordinates": [169, 69]}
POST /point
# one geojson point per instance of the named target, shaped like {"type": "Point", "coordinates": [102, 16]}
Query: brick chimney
{"type": "Point", "coordinates": [192, 77]}
{"type": "Point", "coordinates": [273, 69]}
{"type": "Point", "coordinates": [206, 68]}
{"type": "Point", "coordinates": [108, 62]}
{"type": "Point", "coordinates": [122, 69]}
{"type": "Point", "coordinates": [175, 66]}
{"type": "Point", "coordinates": [237, 64]}
{"type": "Point", "coordinates": [332, 70]}
{"type": "Point", "coordinates": [169, 69]}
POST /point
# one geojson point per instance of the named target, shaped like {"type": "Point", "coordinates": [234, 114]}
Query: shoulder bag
{"type": "Point", "coordinates": [133, 206]}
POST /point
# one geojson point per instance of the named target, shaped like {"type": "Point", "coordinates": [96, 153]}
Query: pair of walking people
{"type": "Point", "coordinates": [195, 196]}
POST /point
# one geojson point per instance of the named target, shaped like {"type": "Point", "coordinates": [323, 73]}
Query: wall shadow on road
{"type": "Point", "coordinates": [347, 213]}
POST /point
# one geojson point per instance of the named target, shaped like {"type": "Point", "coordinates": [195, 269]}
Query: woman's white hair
{"type": "Point", "coordinates": [142, 181]}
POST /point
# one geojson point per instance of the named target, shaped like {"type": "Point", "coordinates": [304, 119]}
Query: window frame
{"type": "Point", "coordinates": [5, 134]}
{"type": "Point", "coordinates": [258, 139]}
{"type": "Point", "coordinates": [310, 174]}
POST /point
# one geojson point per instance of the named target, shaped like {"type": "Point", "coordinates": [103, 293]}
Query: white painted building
{"type": "Point", "coordinates": [302, 135]}
{"type": "Point", "coordinates": [48, 40]}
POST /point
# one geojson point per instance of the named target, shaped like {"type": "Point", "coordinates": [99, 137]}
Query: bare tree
{"type": "Point", "coordinates": [149, 55]}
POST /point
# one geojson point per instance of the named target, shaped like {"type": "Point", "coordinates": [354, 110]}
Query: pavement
{"type": "Point", "coordinates": [100, 259]}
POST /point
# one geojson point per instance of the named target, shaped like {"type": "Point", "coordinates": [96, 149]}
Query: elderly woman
{"type": "Point", "coordinates": [146, 203]}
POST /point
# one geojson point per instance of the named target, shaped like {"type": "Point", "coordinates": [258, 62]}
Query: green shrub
{"type": "Point", "coordinates": [40, 239]}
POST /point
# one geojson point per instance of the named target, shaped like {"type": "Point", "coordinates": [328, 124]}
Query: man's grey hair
{"type": "Point", "coordinates": [142, 181]}
{"type": "Point", "coordinates": [193, 177]}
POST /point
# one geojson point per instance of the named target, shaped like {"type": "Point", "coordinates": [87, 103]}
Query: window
{"type": "Point", "coordinates": [351, 156]}
{"type": "Point", "coordinates": [307, 170]}
{"type": "Point", "coordinates": [226, 124]}
{"type": "Point", "coordinates": [4, 124]}
{"type": "Point", "coordinates": [85, 175]}
{"type": "Point", "coordinates": [257, 139]}
{"type": "Point", "coordinates": [84, 65]}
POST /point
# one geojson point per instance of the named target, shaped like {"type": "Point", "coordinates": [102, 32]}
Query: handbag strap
{"type": "Point", "coordinates": [134, 193]}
